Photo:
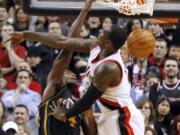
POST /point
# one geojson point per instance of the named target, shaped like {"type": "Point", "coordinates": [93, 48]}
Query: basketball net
{"type": "Point", "coordinates": [131, 7]}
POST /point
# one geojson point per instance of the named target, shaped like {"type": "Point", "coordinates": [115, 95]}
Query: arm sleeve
{"type": "Point", "coordinates": [85, 103]}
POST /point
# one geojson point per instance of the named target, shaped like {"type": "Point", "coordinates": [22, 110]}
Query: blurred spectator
{"type": "Point", "coordinates": [156, 29]}
{"type": "Point", "coordinates": [40, 60]}
{"type": "Point", "coordinates": [134, 24]}
{"type": "Point", "coordinates": [164, 119]}
{"type": "Point", "coordinates": [176, 126]}
{"type": "Point", "coordinates": [159, 54]}
{"type": "Point", "coordinates": [3, 113]}
{"type": "Point", "coordinates": [174, 50]}
{"type": "Point", "coordinates": [94, 25]}
{"type": "Point", "coordinates": [22, 20]}
{"type": "Point", "coordinates": [107, 23]}
{"type": "Point", "coordinates": [41, 24]}
{"type": "Point", "coordinates": [10, 128]}
{"type": "Point", "coordinates": [4, 17]}
{"type": "Point", "coordinates": [34, 84]}
{"type": "Point", "coordinates": [139, 71]}
{"type": "Point", "coordinates": [22, 95]}
{"type": "Point", "coordinates": [169, 86]}
{"type": "Point", "coordinates": [19, 64]}
{"type": "Point", "coordinates": [24, 120]}
{"type": "Point", "coordinates": [148, 112]}
{"type": "Point", "coordinates": [12, 5]}
{"type": "Point", "coordinates": [54, 27]}
{"type": "Point", "coordinates": [151, 79]}
{"type": "Point", "coordinates": [4, 57]}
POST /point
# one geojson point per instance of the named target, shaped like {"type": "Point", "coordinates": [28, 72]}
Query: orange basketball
{"type": "Point", "coordinates": [141, 42]}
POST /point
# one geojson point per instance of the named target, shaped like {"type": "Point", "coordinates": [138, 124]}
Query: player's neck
{"type": "Point", "coordinates": [105, 53]}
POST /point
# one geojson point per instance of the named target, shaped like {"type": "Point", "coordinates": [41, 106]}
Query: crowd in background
{"type": "Point", "coordinates": [24, 68]}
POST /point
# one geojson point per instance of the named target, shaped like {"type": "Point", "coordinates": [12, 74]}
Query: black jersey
{"type": "Point", "coordinates": [173, 94]}
{"type": "Point", "coordinates": [48, 125]}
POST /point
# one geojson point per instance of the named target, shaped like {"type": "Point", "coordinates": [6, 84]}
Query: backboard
{"type": "Point", "coordinates": [162, 8]}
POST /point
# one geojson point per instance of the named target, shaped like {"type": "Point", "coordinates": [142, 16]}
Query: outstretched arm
{"type": "Point", "coordinates": [63, 59]}
{"type": "Point", "coordinates": [59, 41]}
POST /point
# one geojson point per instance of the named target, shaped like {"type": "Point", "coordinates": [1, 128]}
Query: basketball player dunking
{"type": "Point", "coordinates": [109, 91]}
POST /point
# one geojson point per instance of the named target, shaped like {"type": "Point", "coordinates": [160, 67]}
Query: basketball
{"type": "Point", "coordinates": [141, 43]}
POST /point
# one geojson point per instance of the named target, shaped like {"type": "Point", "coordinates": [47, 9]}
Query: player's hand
{"type": "Point", "coordinates": [58, 111]}
{"type": "Point", "coordinates": [88, 5]}
{"type": "Point", "coordinates": [16, 38]}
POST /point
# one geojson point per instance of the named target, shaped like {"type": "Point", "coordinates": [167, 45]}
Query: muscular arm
{"type": "Point", "coordinates": [106, 74]}
{"type": "Point", "coordinates": [59, 41]}
{"type": "Point", "coordinates": [63, 59]}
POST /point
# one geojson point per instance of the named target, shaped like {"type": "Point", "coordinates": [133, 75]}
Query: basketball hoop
{"type": "Point", "coordinates": [131, 7]}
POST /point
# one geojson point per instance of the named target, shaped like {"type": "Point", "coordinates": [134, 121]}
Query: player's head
{"type": "Point", "coordinates": [114, 38]}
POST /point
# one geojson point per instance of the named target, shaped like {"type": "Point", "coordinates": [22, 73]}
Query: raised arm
{"type": "Point", "coordinates": [63, 59]}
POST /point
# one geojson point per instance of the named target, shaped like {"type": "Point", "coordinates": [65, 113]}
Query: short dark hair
{"type": "Point", "coordinates": [117, 36]}
{"type": "Point", "coordinates": [24, 70]}
{"type": "Point", "coordinates": [23, 106]}
{"type": "Point", "coordinates": [170, 58]}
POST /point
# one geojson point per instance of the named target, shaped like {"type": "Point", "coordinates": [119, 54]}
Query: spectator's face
{"type": "Point", "coordinates": [6, 30]}
{"type": "Point", "coordinates": [160, 50]}
{"type": "Point", "coordinates": [94, 22]}
{"type": "Point", "coordinates": [171, 69]}
{"type": "Point", "coordinates": [3, 14]}
{"type": "Point", "coordinates": [155, 29]}
{"type": "Point", "coordinates": [55, 27]}
{"type": "Point", "coordinates": [23, 78]}
{"type": "Point", "coordinates": [136, 24]}
{"type": "Point", "coordinates": [174, 52]}
{"type": "Point", "coordinates": [151, 81]}
{"type": "Point", "coordinates": [107, 23]}
{"type": "Point", "coordinates": [33, 61]}
{"type": "Point", "coordinates": [146, 111]}
{"type": "Point", "coordinates": [21, 115]}
{"type": "Point", "coordinates": [164, 108]}
{"type": "Point", "coordinates": [21, 16]}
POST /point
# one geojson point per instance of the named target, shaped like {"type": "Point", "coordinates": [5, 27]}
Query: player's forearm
{"type": "Point", "coordinates": [49, 39]}
{"type": "Point", "coordinates": [85, 103]}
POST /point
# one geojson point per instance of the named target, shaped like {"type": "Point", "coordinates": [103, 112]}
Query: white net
{"type": "Point", "coordinates": [131, 7]}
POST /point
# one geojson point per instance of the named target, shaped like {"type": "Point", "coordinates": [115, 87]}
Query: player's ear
{"type": "Point", "coordinates": [108, 44]}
